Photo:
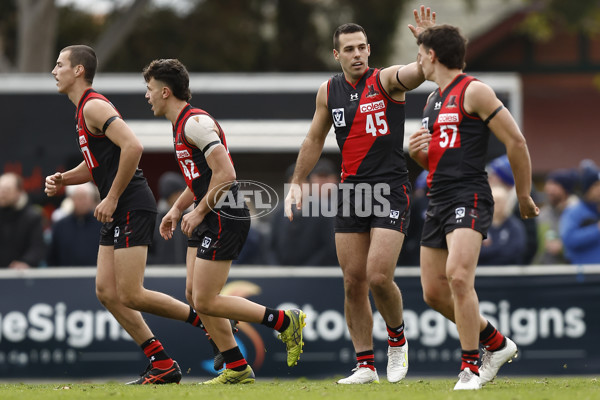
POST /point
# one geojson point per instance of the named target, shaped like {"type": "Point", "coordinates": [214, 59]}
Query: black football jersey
{"type": "Point", "coordinates": [369, 129]}
{"type": "Point", "coordinates": [102, 157]}
{"type": "Point", "coordinates": [191, 159]}
{"type": "Point", "coordinates": [458, 147]}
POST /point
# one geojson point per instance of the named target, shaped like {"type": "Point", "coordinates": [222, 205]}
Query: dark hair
{"type": "Point", "coordinates": [85, 56]}
{"type": "Point", "coordinates": [447, 42]}
{"type": "Point", "coordinates": [173, 73]}
{"type": "Point", "coordinates": [346, 28]}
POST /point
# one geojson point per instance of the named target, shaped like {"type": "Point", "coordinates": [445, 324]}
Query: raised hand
{"type": "Point", "coordinates": [424, 18]}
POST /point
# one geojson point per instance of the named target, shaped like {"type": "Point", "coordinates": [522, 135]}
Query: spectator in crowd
{"type": "Point", "coordinates": [309, 240]}
{"type": "Point", "coordinates": [558, 188]}
{"type": "Point", "coordinates": [75, 236]}
{"type": "Point", "coordinates": [168, 252]}
{"type": "Point", "coordinates": [21, 226]}
{"type": "Point", "coordinates": [410, 254]}
{"type": "Point", "coordinates": [505, 242]}
{"type": "Point", "coordinates": [500, 173]}
{"type": "Point", "coordinates": [580, 222]}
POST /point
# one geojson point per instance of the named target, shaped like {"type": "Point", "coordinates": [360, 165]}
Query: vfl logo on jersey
{"type": "Point", "coordinates": [353, 96]}
{"type": "Point", "coordinates": [370, 107]}
{"type": "Point", "coordinates": [182, 154]}
{"type": "Point", "coordinates": [117, 231]}
{"type": "Point", "coordinates": [425, 122]}
{"type": "Point", "coordinates": [438, 105]}
{"type": "Point", "coordinates": [452, 102]}
{"type": "Point", "coordinates": [447, 118]}
{"type": "Point", "coordinates": [372, 92]}
{"type": "Point", "coordinates": [206, 242]}
{"type": "Point", "coordinates": [394, 214]}
{"type": "Point", "coordinates": [459, 213]}
{"type": "Point", "coordinates": [338, 117]}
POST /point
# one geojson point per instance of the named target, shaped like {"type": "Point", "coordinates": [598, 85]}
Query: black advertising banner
{"type": "Point", "coordinates": [52, 325]}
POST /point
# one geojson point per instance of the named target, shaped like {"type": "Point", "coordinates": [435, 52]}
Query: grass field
{"type": "Point", "coordinates": [576, 388]}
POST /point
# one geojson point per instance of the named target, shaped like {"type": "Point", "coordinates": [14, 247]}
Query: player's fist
{"type": "Point", "coordinates": [53, 184]}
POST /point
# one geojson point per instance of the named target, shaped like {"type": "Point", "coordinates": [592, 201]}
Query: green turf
{"type": "Point", "coordinates": [576, 388]}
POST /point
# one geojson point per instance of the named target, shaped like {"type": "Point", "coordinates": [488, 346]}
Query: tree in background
{"type": "Point", "coordinates": [211, 35]}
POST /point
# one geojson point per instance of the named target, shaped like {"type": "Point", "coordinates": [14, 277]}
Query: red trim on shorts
{"type": "Point", "coordinates": [280, 319]}
{"type": "Point", "coordinates": [218, 234]}
{"type": "Point", "coordinates": [127, 237]}
{"type": "Point", "coordinates": [474, 206]}
{"type": "Point", "coordinates": [407, 206]}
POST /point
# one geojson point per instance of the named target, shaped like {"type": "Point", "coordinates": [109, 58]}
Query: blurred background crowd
{"type": "Point", "coordinates": [566, 232]}
{"type": "Point", "coordinates": [551, 45]}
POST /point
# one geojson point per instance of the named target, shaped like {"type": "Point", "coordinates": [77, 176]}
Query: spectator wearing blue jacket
{"type": "Point", "coordinates": [580, 223]}
{"type": "Point", "coordinates": [506, 239]}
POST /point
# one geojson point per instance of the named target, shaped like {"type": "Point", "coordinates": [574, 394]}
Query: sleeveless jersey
{"type": "Point", "coordinates": [191, 159]}
{"type": "Point", "coordinates": [369, 129]}
{"type": "Point", "coordinates": [458, 147]}
{"type": "Point", "coordinates": [102, 157]}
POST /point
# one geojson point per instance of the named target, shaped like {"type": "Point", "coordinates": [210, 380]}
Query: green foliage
{"type": "Point", "coordinates": [581, 388]}
{"type": "Point", "coordinates": [380, 23]}
{"type": "Point", "coordinates": [582, 16]}
{"type": "Point", "coordinates": [8, 29]}
{"type": "Point", "coordinates": [77, 27]}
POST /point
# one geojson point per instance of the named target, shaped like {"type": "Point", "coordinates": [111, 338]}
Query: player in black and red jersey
{"type": "Point", "coordinates": [366, 108]}
{"type": "Point", "coordinates": [217, 228]}
{"type": "Point", "coordinates": [452, 146]}
{"type": "Point", "coordinates": [111, 153]}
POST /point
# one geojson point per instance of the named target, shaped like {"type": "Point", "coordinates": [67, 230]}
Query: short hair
{"type": "Point", "coordinates": [173, 73]}
{"type": "Point", "coordinates": [86, 56]}
{"type": "Point", "coordinates": [447, 42]}
{"type": "Point", "coordinates": [346, 28]}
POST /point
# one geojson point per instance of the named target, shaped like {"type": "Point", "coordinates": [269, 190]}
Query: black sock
{"type": "Point", "coordinates": [194, 319]}
{"type": "Point", "coordinates": [156, 353]}
{"type": "Point", "coordinates": [396, 336]}
{"type": "Point", "coordinates": [366, 359]}
{"type": "Point", "coordinates": [234, 359]}
{"type": "Point", "coordinates": [276, 319]}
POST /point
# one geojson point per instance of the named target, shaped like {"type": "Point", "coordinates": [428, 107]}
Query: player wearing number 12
{"type": "Point", "coordinates": [366, 108]}
{"type": "Point", "coordinates": [111, 153]}
{"type": "Point", "coordinates": [217, 230]}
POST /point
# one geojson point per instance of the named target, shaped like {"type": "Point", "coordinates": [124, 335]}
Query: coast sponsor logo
{"type": "Point", "coordinates": [182, 153]}
{"type": "Point", "coordinates": [448, 118]}
{"type": "Point", "coordinates": [370, 107]}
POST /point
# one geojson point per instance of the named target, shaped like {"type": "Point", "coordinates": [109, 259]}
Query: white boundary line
{"type": "Point", "coordinates": [241, 271]}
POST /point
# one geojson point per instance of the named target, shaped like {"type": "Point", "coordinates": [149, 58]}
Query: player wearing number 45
{"type": "Point", "coordinates": [366, 107]}
{"type": "Point", "coordinates": [111, 153]}
{"type": "Point", "coordinates": [452, 145]}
